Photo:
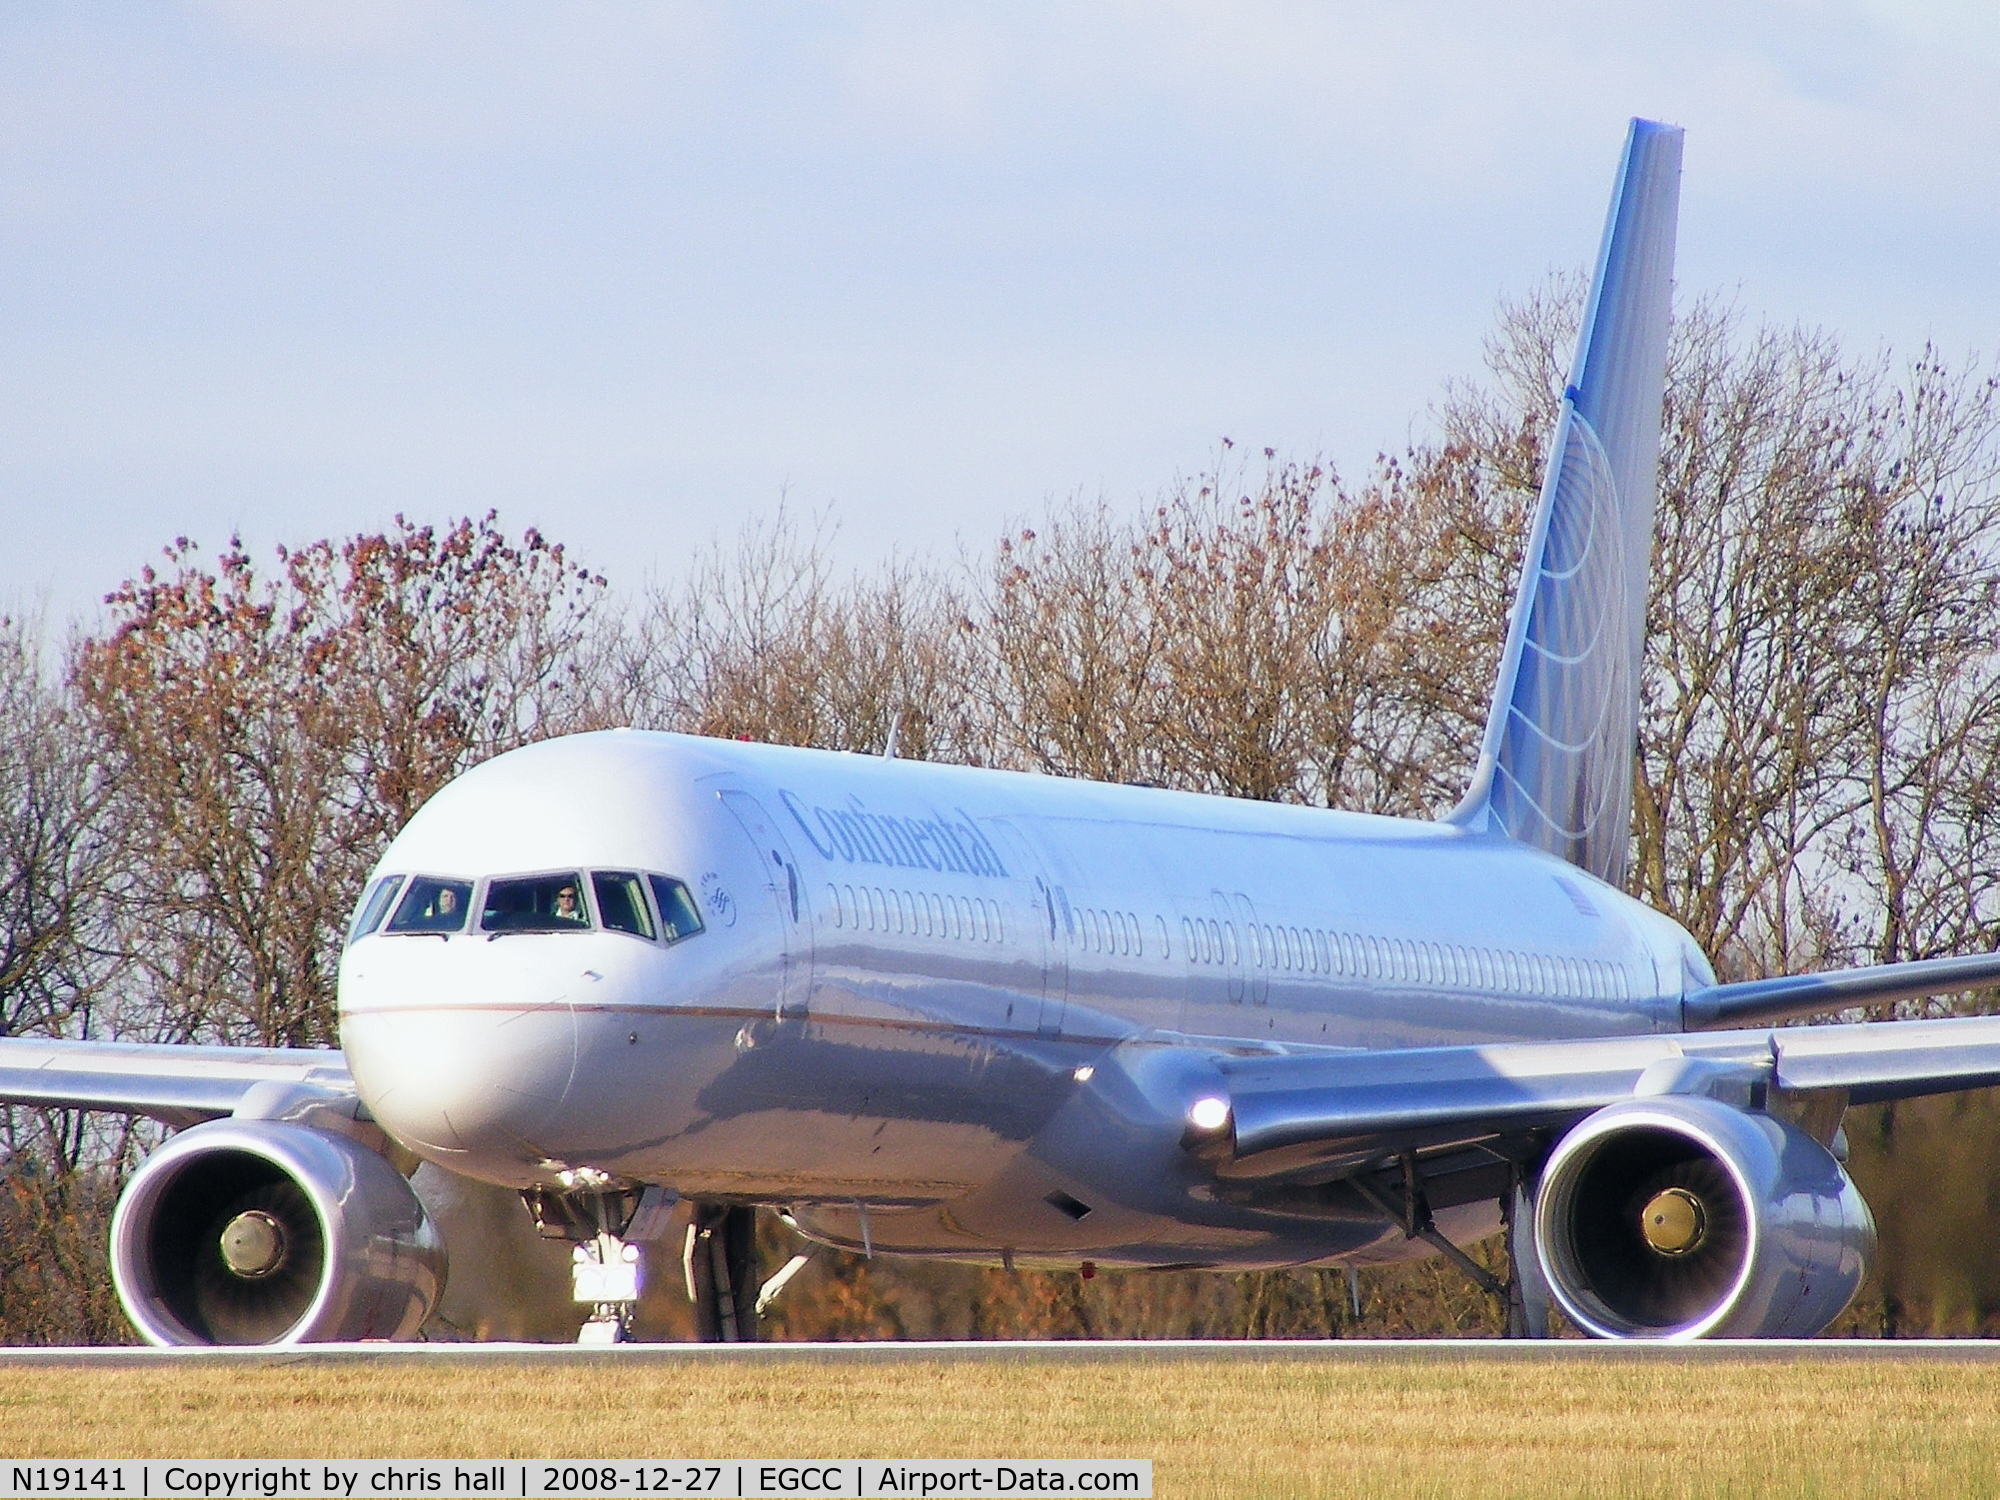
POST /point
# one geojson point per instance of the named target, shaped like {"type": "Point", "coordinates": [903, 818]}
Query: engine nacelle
{"type": "Point", "coordinates": [1678, 1217]}
{"type": "Point", "coordinates": [257, 1232]}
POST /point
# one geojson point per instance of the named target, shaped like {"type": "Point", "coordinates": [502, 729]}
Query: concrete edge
{"type": "Point", "coordinates": [1068, 1351]}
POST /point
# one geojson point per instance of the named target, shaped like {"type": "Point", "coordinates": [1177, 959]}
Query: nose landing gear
{"type": "Point", "coordinates": [605, 1225]}
{"type": "Point", "coordinates": [604, 1272]}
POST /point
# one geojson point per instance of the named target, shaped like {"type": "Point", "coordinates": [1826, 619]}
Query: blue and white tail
{"type": "Point", "coordinates": [1555, 768]}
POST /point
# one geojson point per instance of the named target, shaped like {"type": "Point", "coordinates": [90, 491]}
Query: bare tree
{"type": "Point", "coordinates": [267, 736]}
{"type": "Point", "coordinates": [1817, 737]}
{"type": "Point", "coordinates": [56, 860]}
{"type": "Point", "coordinates": [59, 1169]}
{"type": "Point", "coordinates": [759, 641]}
{"type": "Point", "coordinates": [1264, 633]}
{"type": "Point", "coordinates": [1071, 651]}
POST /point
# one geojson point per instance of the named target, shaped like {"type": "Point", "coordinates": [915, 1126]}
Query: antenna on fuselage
{"type": "Point", "coordinates": [895, 725]}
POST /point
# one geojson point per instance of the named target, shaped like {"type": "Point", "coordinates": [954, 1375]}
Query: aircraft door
{"type": "Point", "coordinates": [1034, 906]}
{"type": "Point", "coordinates": [1232, 941]}
{"type": "Point", "coordinates": [1255, 956]}
{"type": "Point", "coordinates": [789, 898]}
{"type": "Point", "coordinates": [1055, 969]}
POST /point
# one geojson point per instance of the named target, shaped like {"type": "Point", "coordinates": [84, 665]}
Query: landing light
{"type": "Point", "coordinates": [1209, 1114]}
{"type": "Point", "coordinates": [627, 1253]}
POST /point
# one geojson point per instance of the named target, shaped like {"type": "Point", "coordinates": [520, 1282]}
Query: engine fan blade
{"type": "Point", "coordinates": [1675, 1284]}
{"type": "Point", "coordinates": [267, 1288]}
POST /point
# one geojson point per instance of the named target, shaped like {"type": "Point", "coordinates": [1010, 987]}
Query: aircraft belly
{"type": "Point", "coordinates": [1236, 1239]}
{"type": "Point", "coordinates": [1108, 1179]}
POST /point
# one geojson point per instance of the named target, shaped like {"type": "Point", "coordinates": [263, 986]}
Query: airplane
{"type": "Point", "coordinates": [992, 1017]}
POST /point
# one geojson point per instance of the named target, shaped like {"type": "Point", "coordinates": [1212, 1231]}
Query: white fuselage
{"type": "Point", "coordinates": [946, 997]}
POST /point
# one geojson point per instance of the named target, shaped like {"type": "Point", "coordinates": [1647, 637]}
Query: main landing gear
{"type": "Point", "coordinates": [1523, 1298]}
{"type": "Point", "coordinates": [719, 1259]}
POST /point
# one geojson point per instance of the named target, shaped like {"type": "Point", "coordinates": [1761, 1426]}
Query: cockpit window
{"type": "Point", "coordinates": [621, 902]}
{"type": "Point", "coordinates": [678, 914]}
{"type": "Point", "coordinates": [374, 906]}
{"type": "Point", "coordinates": [535, 903]}
{"type": "Point", "coordinates": [432, 906]}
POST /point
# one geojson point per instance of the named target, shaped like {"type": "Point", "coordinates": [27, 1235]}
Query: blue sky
{"type": "Point", "coordinates": [631, 272]}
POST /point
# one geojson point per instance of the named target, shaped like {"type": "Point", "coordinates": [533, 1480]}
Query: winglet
{"type": "Point", "coordinates": [1555, 766]}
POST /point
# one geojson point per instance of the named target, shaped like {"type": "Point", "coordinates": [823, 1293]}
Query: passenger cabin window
{"type": "Point", "coordinates": [433, 906]}
{"type": "Point", "coordinates": [679, 917]}
{"type": "Point", "coordinates": [927, 914]}
{"type": "Point", "coordinates": [374, 907]}
{"type": "Point", "coordinates": [621, 902]}
{"type": "Point", "coordinates": [535, 903]}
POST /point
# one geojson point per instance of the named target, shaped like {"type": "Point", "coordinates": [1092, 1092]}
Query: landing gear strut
{"type": "Point", "coordinates": [605, 1224]}
{"type": "Point", "coordinates": [1527, 1287]}
{"type": "Point", "coordinates": [1523, 1297]}
{"type": "Point", "coordinates": [605, 1276]}
{"type": "Point", "coordinates": [720, 1262]}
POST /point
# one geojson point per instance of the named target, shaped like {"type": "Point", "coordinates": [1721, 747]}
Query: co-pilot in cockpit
{"type": "Point", "coordinates": [534, 903]}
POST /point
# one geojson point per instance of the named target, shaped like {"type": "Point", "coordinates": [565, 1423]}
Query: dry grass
{"type": "Point", "coordinates": [1266, 1427]}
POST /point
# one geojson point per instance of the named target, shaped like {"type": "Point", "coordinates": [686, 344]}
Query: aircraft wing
{"type": "Point", "coordinates": [1755, 1002]}
{"type": "Point", "coordinates": [1303, 1115]}
{"type": "Point", "coordinates": [174, 1084]}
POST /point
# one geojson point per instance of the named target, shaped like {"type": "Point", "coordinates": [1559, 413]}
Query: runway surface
{"type": "Point", "coordinates": [1069, 1351]}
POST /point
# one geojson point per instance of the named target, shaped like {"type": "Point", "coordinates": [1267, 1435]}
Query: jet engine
{"type": "Point", "coordinates": [1678, 1217]}
{"type": "Point", "coordinates": [258, 1232]}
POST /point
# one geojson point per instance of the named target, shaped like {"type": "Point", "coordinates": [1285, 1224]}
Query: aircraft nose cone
{"type": "Point", "coordinates": [474, 1087]}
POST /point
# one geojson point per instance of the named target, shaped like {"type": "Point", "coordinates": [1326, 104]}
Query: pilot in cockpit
{"type": "Point", "coordinates": [568, 908]}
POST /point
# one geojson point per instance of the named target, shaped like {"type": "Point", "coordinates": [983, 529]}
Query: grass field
{"type": "Point", "coordinates": [1278, 1427]}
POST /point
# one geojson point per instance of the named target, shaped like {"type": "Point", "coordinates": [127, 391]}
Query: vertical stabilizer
{"type": "Point", "coordinates": [1555, 767]}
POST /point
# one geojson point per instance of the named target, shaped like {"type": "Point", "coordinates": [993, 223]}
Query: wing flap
{"type": "Point", "coordinates": [1891, 1059]}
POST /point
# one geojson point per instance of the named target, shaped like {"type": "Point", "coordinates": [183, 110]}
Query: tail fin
{"type": "Point", "coordinates": [1555, 768]}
